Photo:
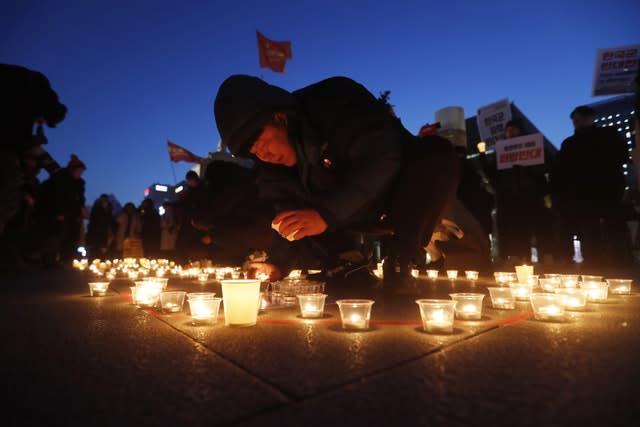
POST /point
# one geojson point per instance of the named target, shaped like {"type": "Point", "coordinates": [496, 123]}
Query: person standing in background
{"type": "Point", "coordinates": [588, 187]}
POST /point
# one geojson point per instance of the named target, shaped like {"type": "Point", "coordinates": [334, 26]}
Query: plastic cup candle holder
{"type": "Point", "coordinates": [203, 278]}
{"type": "Point", "coordinates": [548, 306]}
{"type": "Point", "coordinates": [432, 274]}
{"type": "Point", "coordinates": [172, 302]}
{"type": "Point", "coordinates": [523, 272]}
{"type": "Point", "coordinates": [619, 286]}
{"type": "Point", "coordinates": [145, 296]}
{"type": "Point", "coordinates": [569, 280]}
{"type": "Point", "coordinates": [471, 275]}
{"type": "Point", "coordinates": [590, 278]}
{"type": "Point", "coordinates": [355, 313]}
{"type": "Point", "coordinates": [98, 289]}
{"type": "Point", "coordinates": [521, 291]}
{"type": "Point", "coordinates": [415, 273]}
{"type": "Point", "coordinates": [241, 301]}
{"type": "Point", "coordinates": [575, 298]}
{"type": "Point", "coordinates": [596, 291]}
{"type": "Point", "coordinates": [437, 315]}
{"type": "Point", "coordinates": [533, 280]}
{"type": "Point", "coordinates": [505, 277]}
{"type": "Point", "coordinates": [311, 305]}
{"type": "Point", "coordinates": [452, 274]}
{"type": "Point", "coordinates": [548, 285]}
{"type": "Point", "coordinates": [204, 307]}
{"type": "Point", "coordinates": [502, 298]}
{"type": "Point", "coordinates": [468, 305]}
{"type": "Point", "coordinates": [162, 282]}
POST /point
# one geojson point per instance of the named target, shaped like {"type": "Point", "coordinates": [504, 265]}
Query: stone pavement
{"type": "Point", "coordinates": [73, 360]}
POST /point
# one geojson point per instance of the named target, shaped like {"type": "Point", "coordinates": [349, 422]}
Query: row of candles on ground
{"type": "Point", "coordinates": [243, 300]}
{"type": "Point", "coordinates": [143, 268]}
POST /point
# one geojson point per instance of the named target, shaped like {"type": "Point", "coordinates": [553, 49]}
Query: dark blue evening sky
{"type": "Point", "coordinates": [135, 74]}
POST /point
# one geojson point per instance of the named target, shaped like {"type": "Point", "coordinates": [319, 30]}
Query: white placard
{"type": "Point", "coordinates": [616, 70]}
{"type": "Point", "coordinates": [527, 150]}
{"type": "Point", "coordinates": [491, 120]}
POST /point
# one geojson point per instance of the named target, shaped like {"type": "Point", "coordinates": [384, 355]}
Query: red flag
{"type": "Point", "coordinates": [273, 54]}
{"type": "Point", "coordinates": [179, 154]}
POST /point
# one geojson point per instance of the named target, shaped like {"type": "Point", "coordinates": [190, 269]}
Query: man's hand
{"type": "Point", "coordinates": [296, 224]}
{"type": "Point", "coordinates": [255, 269]}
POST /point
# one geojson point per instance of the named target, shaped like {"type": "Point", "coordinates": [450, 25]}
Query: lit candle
{"type": "Point", "coordinates": [523, 272]}
{"type": "Point", "coordinates": [98, 288]}
{"type": "Point", "coordinates": [468, 305]}
{"type": "Point", "coordinates": [204, 306]}
{"type": "Point", "coordinates": [619, 286]}
{"type": "Point", "coordinates": [432, 274]}
{"type": "Point", "coordinates": [551, 310]}
{"type": "Point", "coordinates": [355, 314]}
{"type": "Point", "coordinates": [548, 306]}
{"type": "Point", "coordinates": [471, 275]}
{"type": "Point", "coordinates": [241, 302]}
{"type": "Point", "coordinates": [452, 274]}
{"type": "Point", "coordinates": [311, 305]}
{"type": "Point", "coordinates": [203, 278]}
{"type": "Point", "coordinates": [415, 273]}
{"type": "Point", "coordinates": [437, 315]}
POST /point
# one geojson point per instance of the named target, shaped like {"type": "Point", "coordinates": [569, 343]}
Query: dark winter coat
{"type": "Point", "coordinates": [348, 146]}
{"type": "Point", "coordinates": [588, 171]}
{"type": "Point", "coordinates": [101, 226]}
{"type": "Point", "coordinates": [60, 195]}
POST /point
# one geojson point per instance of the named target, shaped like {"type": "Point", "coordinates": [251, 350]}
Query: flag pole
{"type": "Point", "coordinates": [175, 181]}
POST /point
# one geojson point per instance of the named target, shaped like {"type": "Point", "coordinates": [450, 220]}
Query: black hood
{"type": "Point", "coordinates": [243, 105]}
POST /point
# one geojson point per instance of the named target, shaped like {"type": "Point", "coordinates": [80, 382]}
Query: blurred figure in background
{"type": "Point", "coordinates": [60, 211]}
{"type": "Point", "coordinates": [101, 228]}
{"type": "Point", "coordinates": [169, 229]}
{"type": "Point", "coordinates": [150, 233]}
{"type": "Point", "coordinates": [129, 227]}
{"type": "Point", "coordinates": [588, 187]}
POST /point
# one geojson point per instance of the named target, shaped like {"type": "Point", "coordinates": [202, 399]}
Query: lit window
{"type": "Point", "coordinates": [626, 188]}
{"type": "Point", "coordinates": [628, 142]}
{"type": "Point", "coordinates": [618, 115]}
{"type": "Point", "coordinates": [626, 128]}
{"type": "Point", "coordinates": [610, 117]}
{"type": "Point", "coordinates": [596, 120]}
{"type": "Point", "coordinates": [610, 124]}
{"type": "Point", "coordinates": [633, 112]}
{"type": "Point", "coordinates": [624, 165]}
{"type": "Point", "coordinates": [628, 134]}
{"type": "Point", "coordinates": [161, 210]}
{"type": "Point", "coordinates": [602, 118]}
{"type": "Point", "coordinates": [626, 173]}
{"type": "Point", "coordinates": [619, 129]}
{"type": "Point", "coordinates": [626, 120]}
{"type": "Point", "coordinates": [179, 189]}
{"type": "Point", "coordinates": [162, 188]}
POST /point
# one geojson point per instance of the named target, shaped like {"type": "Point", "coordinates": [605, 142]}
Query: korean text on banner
{"type": "Point", "coordinates": [492, 119]}
{"type": "Point", "coordinates": [527, 150]}
{"type": "Point", "coordinates": [616, 69]}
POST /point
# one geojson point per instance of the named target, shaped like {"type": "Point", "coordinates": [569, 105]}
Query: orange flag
{"type": "Point", "coordinates": [179, 154]}
{"type": "Point", "coordinates": [273, 54]}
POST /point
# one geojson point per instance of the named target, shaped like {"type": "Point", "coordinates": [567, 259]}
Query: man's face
{"type": "Point", "coordinates": [582, 121]}
{"type": "Point", "coordinates": [272, 146]}
{"type": "Point", "coordinates": [192, 182]}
